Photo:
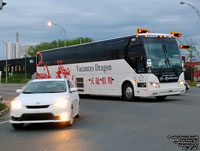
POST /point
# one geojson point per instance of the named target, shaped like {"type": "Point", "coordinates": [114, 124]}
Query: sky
{"type": "Point", "coordinates": [97, 19]}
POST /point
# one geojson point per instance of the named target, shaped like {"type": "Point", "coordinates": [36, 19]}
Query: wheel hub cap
{"type": "Point", "coordinates": [129, 92]}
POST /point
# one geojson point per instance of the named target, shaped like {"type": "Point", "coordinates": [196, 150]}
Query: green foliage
{"type": "Point", "coordinates": [2, 106]}
{"type": "Point", "coordinates": [56, 44]}
{"type": "Point", "coordinates": [192, 83]}
{"type": "Point", "coordinates": [17, 78]}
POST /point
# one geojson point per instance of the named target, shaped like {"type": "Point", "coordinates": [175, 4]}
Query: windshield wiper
{"type": "Point", "coordinates": [167, 62]}
{"type": "Point", "coordinates": [55, 92]}
{"type": "Point", "coordinates": [167, 59]}
{"type": "Point", "coordinates": [27, 92]}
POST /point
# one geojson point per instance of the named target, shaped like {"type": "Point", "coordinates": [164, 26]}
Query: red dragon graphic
{"type": "Point", "coordinates": [44, 75]}
{"type": "Point", "coordinates": [62, 70]}
{"type": "Point", "coordinates": [45, 68]}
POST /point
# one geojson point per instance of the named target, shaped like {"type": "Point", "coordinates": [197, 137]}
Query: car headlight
{"type": "Point", "coordinates": [181, 83]}
{"type": "Point", "coordinates": [16, 105]}
{"type": "Point", "coordinates": [155, 84]}
{"type": "Point", "coordinates": [61, 103]}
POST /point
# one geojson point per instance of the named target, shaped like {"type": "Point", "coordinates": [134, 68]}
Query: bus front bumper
{"type": "Point", "coordinates": [160, 92]}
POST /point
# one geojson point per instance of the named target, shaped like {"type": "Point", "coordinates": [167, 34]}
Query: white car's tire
{"type": "Point", "coordinates": [17, 126]}
{"type": "Point", "coordinates": [71, 121]}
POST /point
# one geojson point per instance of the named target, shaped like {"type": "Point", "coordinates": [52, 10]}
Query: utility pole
{"type": "Point", "coordinates": [193, 7]}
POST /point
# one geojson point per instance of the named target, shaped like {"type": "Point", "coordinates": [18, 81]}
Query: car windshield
{"type": "Point", "coordinates": [45, 87]}
{"type": "Point", "coordinates": [164, 53]}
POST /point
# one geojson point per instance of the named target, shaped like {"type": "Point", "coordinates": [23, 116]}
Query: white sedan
{"type": "Point", "coordinates": [45, 101]}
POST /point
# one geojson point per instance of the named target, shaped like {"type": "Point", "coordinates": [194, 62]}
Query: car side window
{"type": "Point", "coordinates": [70, 84]}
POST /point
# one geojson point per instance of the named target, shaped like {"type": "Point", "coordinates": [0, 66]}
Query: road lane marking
{"type": "Point", "coordinates": [8, 92]}
{"type": "Point", "coordinates": [4, 122]}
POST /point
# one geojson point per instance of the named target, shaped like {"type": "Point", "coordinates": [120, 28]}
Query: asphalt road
{"type": "Point", "coordinates": [8, 90]}
{"type": "Point", "coordinates": [110, 124]}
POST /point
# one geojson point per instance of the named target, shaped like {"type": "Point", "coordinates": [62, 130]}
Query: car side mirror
{"type": "Point", "coordinates": [73, 90]}
{"type": "Point", "coordinates": [19, 91]}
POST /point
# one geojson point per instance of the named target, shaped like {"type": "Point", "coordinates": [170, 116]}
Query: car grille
{"type": "Point", "coordinates": [38, 107]}
{"type": "Point", "coordinates": [36, 117]}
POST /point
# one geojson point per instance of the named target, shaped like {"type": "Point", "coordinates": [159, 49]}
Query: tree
{"type": "Point", "coordinates": [193, 52]}
{"type": "Point", "coordinates": [32, 51]}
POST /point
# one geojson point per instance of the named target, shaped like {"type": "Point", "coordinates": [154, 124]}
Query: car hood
{"type": "Point", "coordinates": [40, 98]}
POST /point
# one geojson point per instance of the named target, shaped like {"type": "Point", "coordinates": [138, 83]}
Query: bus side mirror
{"type": "Point", "coordinates": [149, 63]}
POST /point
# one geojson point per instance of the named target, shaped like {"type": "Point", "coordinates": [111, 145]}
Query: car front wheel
{"type": "Point", "coordinates": [71, 121]}
{"type": "Point", "coordinates": [17, 126]}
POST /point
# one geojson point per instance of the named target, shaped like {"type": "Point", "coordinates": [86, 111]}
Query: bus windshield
{"type": "Point", "coordinates": [164, 53]}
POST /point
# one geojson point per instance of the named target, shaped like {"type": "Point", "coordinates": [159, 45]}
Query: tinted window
{"type": "Point", "coordinates": [106, 50]}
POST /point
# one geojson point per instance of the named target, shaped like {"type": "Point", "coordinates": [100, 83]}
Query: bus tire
{"type": "Point", "coordinates": [128, 92]}
{"type": "Point", "coordinates": [161, 97]}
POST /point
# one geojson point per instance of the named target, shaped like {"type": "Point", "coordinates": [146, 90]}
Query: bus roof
{"type": "Point", "coordinates": [155, 34]}
{"type": "Point", "coordinates": [118, 38]}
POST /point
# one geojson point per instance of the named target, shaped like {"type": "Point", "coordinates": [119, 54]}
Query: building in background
{"type": "Point", "coordinates": [24, 50]}
{"type": "Point", "coordinates": [16, 50]}
{"type": "Point", "coordinates": [18, 61]}
{"type": "Point", "coordinates": [192, 72]}
{"type": "Point", "coordinates": [19, 66]}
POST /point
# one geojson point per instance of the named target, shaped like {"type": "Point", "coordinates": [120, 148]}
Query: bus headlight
{"type": "Point", "coordinates": [155, 84]}
{"type": "Point", "coordinates": [16, 105]}
{"type": "Point", "coordinates": [181, 83]}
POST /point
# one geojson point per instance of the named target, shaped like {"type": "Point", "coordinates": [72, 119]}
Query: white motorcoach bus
{"type": "Point", "coordinates": [141, 65]}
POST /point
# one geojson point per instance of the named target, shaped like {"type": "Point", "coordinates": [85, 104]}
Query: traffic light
{"type": "Point", "coordinates": [184, 46]}
{"type": "Point", "coordinates": [2, 4]}
{"type": "Point", "coordinates": [176, 34]}
{"type": "Point", "coordinates": [140, 31]}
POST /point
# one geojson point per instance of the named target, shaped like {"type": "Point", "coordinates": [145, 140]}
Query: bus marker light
{"type": "Point", "coordinates": [176, 34]}
{"type": "Point", "coordinates": [140, 31]}
{"type": "Point", "coordinates": [184, 46]}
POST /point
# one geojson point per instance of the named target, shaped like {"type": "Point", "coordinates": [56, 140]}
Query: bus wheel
{"type": "Point", "coordinates": [161, 97]}
{"type": "Point", "coordinates": [128, 92]}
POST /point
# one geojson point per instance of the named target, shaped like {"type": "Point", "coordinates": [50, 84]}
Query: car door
{"type": "Point", "coordinates": [74, 97]}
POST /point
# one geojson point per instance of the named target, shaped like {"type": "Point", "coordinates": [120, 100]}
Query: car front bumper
{"type": "Point", "coordinates": [47, 115]}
